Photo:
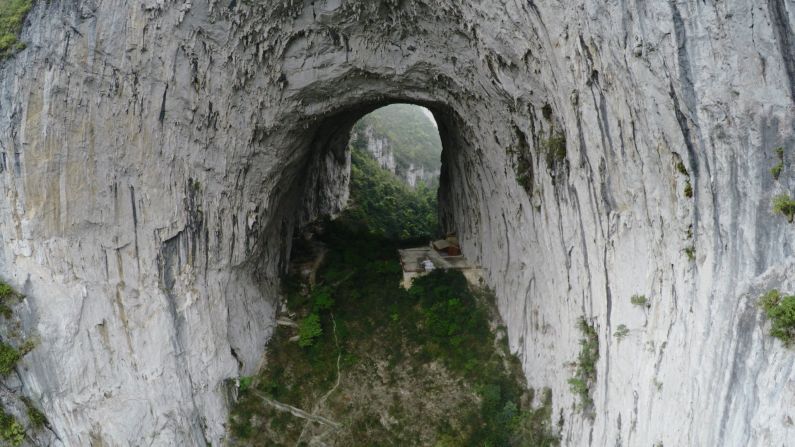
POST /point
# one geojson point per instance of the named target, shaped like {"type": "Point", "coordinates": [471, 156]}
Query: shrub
{"type": "Point", "coordinates": [308, 330]}
{"type": "Point", "coordinates": [690, 252]}
{"type": "Point", "coordinates": [688, 190]}
{"type": "Point", "coordinates": [35, 416]}
{"type": "Point", "coordinates": [555, 149]}
{"type": "Point", "coordinates": [245, 383]}
{"type": "Point", "coordinates": [585, 375]}
{"type": "Point", "coordinates": [10, 430]}
{"type": "Point", "coordinates": [12, 15]}
{"type": "Point", "coordinates": [524, 174]}
{"type": "Point", "coordinates": [321, 298]}
{"type": "Point", "coordinates": [776, 170]}
{"type": "Point", "coordinates": [639, 300]}
{"type": "Point", "coordinates": [546, 112]}
{"type": "Point", "coordinates": [6, 292]}
{"type": "Point", "coordinates": [782, 204]}
{"type": "Point", "coordinates": [680, 166]}
{"type": "Point", "coordinates": [28, 345]}
{"type": "Point", "coordinates": [8, 358]}
{"type": "Point", "coordinates": [621, 331]}
{"type": "Point", "coordinates": [780, 310]}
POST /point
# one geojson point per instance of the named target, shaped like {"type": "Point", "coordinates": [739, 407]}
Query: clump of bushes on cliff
{"type": "Point", "coordinates": [8, 358]}
{"type": "Point", "coordinates": [555, 149]}
{"type": "Point", "coordinates": [6, 294]}
{"type": "Point", "coordinates": [585, 374]}
{"type": "Point", "coordinates": [775, 171]}
{"type": "Point", "coordinates": [783, 204]}
{"type": "Point", "coordinates": [12, 15]}
{"type": "Point", "coordinates": [780, 310]}
{"type": "Point", "coordinates": [11, 431]}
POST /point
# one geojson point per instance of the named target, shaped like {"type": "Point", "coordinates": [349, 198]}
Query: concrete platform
{"type": "Point", "coordinates": [411, 259]}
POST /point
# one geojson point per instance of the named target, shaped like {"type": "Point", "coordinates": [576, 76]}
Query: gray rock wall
{"type": "Point", "coordinates": [156, 156]}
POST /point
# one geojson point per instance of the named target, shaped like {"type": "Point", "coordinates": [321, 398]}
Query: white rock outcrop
{"type": "Point", "coordinates": [155, 157]}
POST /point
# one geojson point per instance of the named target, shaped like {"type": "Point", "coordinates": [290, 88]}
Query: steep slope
{"type": "Point", "coordinates": [155, 157]}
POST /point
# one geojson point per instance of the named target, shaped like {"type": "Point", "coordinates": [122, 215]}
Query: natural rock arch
{"type": "Point", "coordinates": [151, 163]}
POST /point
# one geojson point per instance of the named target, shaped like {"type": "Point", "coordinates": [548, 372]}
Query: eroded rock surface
{"type": "Point", "coordinates": [156, 156]}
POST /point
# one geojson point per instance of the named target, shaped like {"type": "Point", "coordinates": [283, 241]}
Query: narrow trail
{"type": "Point", "coordinates": [322, 400]}
{"type": "Point", "coordinates": [297, 412]}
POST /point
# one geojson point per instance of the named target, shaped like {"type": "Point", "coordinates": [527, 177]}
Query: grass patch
{"type": "Point", "coordinates": [585, 375]}
{"type": "Point", "coordinates": [688, 189]}
{"type": "Point", "coordinates": [780, 310]}
{"type": "Point", "coordinates": [12, 16]}
{"type": "Point", "coordinates": [783, 204]}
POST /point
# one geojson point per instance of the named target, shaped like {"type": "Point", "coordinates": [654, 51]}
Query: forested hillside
{"type": "Point", "coordinates": [382, 204]}
{"type": "Point", "coordinates": [409, 134]}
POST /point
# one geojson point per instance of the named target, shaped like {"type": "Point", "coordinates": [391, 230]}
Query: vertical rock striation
{"type": "Point", "coordinates": [156, 156]}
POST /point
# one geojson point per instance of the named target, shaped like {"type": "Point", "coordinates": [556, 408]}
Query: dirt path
{"type": "Point", "coordinates": [297, 412]}
{"type": "Point", "coordinates": [322, 400]}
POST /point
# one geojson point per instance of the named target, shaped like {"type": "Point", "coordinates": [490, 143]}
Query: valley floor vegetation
{"type": "Point", "coordinates": [372, 364]}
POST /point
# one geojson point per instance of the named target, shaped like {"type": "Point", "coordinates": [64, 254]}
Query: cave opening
{"type": "Point", "coordinates": [363, 354]}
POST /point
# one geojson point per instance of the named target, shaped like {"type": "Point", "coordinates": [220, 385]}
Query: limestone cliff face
{"type": "Point", "coordinates": [156, 156]}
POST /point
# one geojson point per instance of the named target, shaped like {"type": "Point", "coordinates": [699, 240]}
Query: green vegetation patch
{"type": "Point", "coordinates": [688, 189]}
{"type": "Point", "coordinates": [398, 367]}
{"type": "Point", "coordinates": [12, 16]}
{"type": "Point", "coordinates": [639, 300]}
{"type": "Point", "coordinates": [11, 431]}
{"type": "Point", "coordinates": [382, 204]}
{"type": "Point", "coordinates": [8, 358]}
{"type": "Point", "coordinates": [690, 252]}
{"type": "Point", "coordinates": [780, 310]}
{"type": "Point", "coordinates": [7, 294]}
{"type": "Point", "coordinates": [585, 375]}
{"type": "Point", "coordinates": [783, 204]}
{"type": "Point", "coordinates": [621, 331]}
{"type": "Point", "coordinates": [775, 171]}
{"type": "Point", "coordinates": [680, 166]}
{"type": "Point", "coordinates": [35, 416]}
{"type": "Point", "coordinates": [309, 330]}
{"type": "Point", "coordinates": [555, 149]}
